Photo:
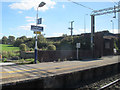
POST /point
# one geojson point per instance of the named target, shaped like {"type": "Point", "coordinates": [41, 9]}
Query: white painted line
{"type": "Point", "coordinates": [7, 70]}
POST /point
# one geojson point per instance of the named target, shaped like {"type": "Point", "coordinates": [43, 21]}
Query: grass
{"type": "Point", "coordinates": [4, 47]}
{"type": "Point", "coordinates": [1, 61]}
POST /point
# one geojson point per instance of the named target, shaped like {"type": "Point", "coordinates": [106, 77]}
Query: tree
{"type": "Point", "coordinates": [66, 43]}
{"type": "Point", "coordinates": [51, 47]}
{"type": "Point", "coordinates": [18, 42]}
{"type": "Point", "coordinates": [64, 35]}
{"type": "Point", "coordinates": [4, 40]}
{"type": "Point", "coordinates": [11, 40]}
{"type": "Point", "coordinates": [24, 38]}
{"type": "Point", "coordinates": [30, 42]}
{"type": "Point", "coordinates": [42, 42]}
{"type": "Point", "coordinates": [23, 47]}
{"type": "Point", "coordinates": [0, 41]}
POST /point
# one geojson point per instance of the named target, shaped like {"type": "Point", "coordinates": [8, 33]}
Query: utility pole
{"type": "Point", "coordinates": [71, 27]}
{"type": "Point", "coordinates": [119, 17]}
{"type": "Point", "coordinates": [112, 26]}
{"type": "Point", "coordinates": [85, 23]}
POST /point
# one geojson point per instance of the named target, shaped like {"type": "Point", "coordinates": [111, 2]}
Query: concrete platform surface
{"type": "Point", "coordinates": [33, 71]}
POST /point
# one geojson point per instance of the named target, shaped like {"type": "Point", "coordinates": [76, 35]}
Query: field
{"type": "Point", "coordinates": [4, 47]}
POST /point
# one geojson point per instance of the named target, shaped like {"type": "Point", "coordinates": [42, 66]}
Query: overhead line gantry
{"type": "Point", "coordinates": [94, 13]}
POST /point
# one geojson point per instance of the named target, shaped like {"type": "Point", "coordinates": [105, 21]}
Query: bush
{"type": "Point", "coordinates": [10, 54]}
{"type": "Point", "coordinates": [23, 47]}
{"type": "Point", "coordinates": [15, 58]}
{"type": "Point", "coordinates": [31, 49]}
{"type": "Point", "coordinates": [4, 54]}
{"type": "Point", "coordinates": [4, 60]}
{"type": "Point", "coordinates": [51, 47]}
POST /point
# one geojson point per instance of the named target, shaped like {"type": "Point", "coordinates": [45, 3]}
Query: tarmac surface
{"type": "Point", "coordinates": [16, 73]}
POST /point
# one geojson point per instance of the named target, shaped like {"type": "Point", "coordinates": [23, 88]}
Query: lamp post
{"type": "Point", "coordinates": [112, 26]}
{"type": "Point", "coordinates": [119, 18]}
{"type": "Point", "coordinates": [85, 23]}
{"type": "Point", "coordinates": [40, 5]}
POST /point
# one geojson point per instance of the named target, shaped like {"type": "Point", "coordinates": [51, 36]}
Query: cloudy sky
{"type": "Point", "coordinates": [17, 16]}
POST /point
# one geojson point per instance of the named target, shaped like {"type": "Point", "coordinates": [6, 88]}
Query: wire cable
{"type": "Point", "coordinates": [81, 5]}
{"type": "Point", "coordinates": [114, 2]}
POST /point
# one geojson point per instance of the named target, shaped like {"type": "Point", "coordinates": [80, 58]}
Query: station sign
{"type": "Point", "coordinates": [36, 28]}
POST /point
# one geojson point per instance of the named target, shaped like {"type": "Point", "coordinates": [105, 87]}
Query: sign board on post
{"type": "Point", "coordinates": [39, 21]}
{"type": "Point", "coordinates": [37, 32]}
{"type": "Point", "coordinates": [36, 28]}
{"type": "Point", "coordinates": [77, 45]}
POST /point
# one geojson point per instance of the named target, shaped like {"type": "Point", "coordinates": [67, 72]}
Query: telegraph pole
{"type": "Point", "coordinates": [71, 27]}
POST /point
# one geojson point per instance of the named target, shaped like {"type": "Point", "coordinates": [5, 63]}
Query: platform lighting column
{"type": "Point", "coordinates": [40, 5]}
{"type": "Point", "coordinates": [119, 18]}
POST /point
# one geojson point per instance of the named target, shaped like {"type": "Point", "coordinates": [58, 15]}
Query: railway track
{"type": "Point", "coordinates": [109, 85]}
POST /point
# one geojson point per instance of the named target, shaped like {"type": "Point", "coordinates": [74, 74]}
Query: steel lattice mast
{"type": "Point", "coordinates": [115, 9]}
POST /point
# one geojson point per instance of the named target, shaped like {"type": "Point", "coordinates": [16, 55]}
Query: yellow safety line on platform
{"type": "Point", "coordinates": [36, 68]}
{"type": "Point", "coordinates": [62, 69]}
{"type": "Point", "coordinates": [11, 76]}
{"type": "Point", "coordinates": [68, 68]}
{"type": "Point", "coordinates": [41, 68]}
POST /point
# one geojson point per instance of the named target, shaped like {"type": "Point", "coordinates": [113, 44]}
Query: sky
{"type": "Point", "coordinates": [17, 16]}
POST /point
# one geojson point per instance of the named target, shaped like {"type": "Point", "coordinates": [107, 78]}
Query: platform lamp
{"type": "Point", "coordinates": [40, 5]}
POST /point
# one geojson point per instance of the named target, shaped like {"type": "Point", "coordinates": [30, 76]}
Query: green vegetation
{"type": "Point", "coordinates": [115, 45]}
{"type": "Point", "coordinates": [10, 55]}
{"type": "Point", "coordinates": [62, 43]}
{"type": "Point", "coordinates": [51, 47]}
{"type": "Point", "coordinates": [9, 51]}
{"type": "Point", "coordinates": [23, 47]}
{"type": "Point", "coordinates": [24, 61]}
{"type": "Point", "coordinates": [21, 61]}
{"type": "Point", "coordinates": [11, 47]}
{"type": "Point", "coordinates": [5, 47]}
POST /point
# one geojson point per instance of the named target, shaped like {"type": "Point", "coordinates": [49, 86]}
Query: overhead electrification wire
{"type": "Point", "coordinates": [114, 2]}
{"type": "Point", "coordinates": [81, 5]}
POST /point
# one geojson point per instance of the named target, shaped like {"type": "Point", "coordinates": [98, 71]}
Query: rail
{"type": "Point", "coordinates": [108, 85]}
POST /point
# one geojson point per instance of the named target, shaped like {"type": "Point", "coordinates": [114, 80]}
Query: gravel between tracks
{"type": "Point", "coordinates": [97, 85]}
